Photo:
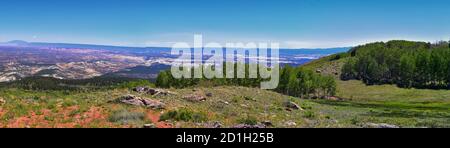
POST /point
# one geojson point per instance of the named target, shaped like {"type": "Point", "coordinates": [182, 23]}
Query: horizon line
{"type": "Point", "coordinates": [285, 48]}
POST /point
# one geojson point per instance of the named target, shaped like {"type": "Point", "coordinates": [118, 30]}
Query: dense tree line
{"type": "Point", "coordinates": [407, 64]}
{"type": "Point", "coordinates": [297, 82]}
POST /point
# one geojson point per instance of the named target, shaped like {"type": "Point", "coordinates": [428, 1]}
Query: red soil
{"type": "Point", "coordinates": [154, 117]}
{"type": "Point", "coordinates": [62, 119]}
{"type": "Point", "coordinates": [1, 115]}
{"type": "Point", "coordinates": [69, 118]}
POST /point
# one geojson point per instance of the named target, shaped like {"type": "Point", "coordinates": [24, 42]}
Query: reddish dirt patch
{"type": "Point", "coordinates": [33, 120]}
{"type": "Point", "coordinates": [63, 118]}
{"type": "Point", "coordinates": [1, 115]}
{"type": "Point", "coordinates": [1, 112]}
{"type": "Point", "coordinates": [154, 117]}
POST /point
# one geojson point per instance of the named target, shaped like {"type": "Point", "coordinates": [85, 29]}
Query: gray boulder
{"type": "Point", "coordinates": [379, 125]}
{"type": "Point", "coordinates": [292, 105]}
{"type": "Point", "coordinates": [195, 98]}
{"type": "Point", "coordinates": [213, 125]}
{"type": "Point", "coordinates": [153, 91]}
{"type": "Point", "coordinates": [249, 126]}
{"type": "Point", "coordinates": [138, 101]}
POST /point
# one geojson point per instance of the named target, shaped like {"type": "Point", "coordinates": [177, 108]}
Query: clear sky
{"type": "Point", "coordinates": [293, 23]}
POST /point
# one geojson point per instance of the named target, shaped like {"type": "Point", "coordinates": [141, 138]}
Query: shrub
{"type": "Point", "coordinates": [184, 115]}
{"type": "Point", "coordinates": [249, 120]}
{"type": "Point", "coordinates": [124, 117]}
{"type": "Point", "coordinates": [309, 114]}
{"type": "Point", "coordinates": [136, 83]}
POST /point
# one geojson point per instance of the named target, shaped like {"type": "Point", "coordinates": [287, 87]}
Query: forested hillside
{"type": "Point", "coordinates": [404, 63]}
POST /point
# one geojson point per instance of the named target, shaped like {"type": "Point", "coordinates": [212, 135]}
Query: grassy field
{"type": "Point", "coordinates": [386, 103]}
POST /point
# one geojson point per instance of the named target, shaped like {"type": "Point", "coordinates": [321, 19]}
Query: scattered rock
{"type": "Point", "coordinates": [160, 92]}
{"type": "Point", "coordinates": [138, 101]}
{"type": "Point", "coordinates": [153, 91]}
{"type": "Point", "coordinates": [213, 125]}
{"type": "Point", "coordinates": [333, 98]}
{"type": "Point", "coordinates": [225, 102]}
{"type": "Point", "coordinates": [244, 105]}
{"type": "Point", "coordinates": [267, 123]}
{"type": "Point", "coordinates": [195, 98]}
{"type": "Point", "coordinates": [379, 125]}
{"type": "Point", "coordinates": [141, 89]}
{"type": "Point", "coordinates": [318, 71]}
{"type": "Point", "coordinates": [149, 126]}
{"type": "Point", "coordinates": [290, 124]}
{"type": "Point", "coordinates": [249, 126]}
{"type": "Point", "coordinates": [249, 98]}
{"type": "Point", "coordinates": [291, 105]}
{"type": "Point", "coordinates": [2, 101]}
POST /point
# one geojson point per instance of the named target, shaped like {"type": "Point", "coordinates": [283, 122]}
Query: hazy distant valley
{"type": "Point", "coordinates": [20, 59]}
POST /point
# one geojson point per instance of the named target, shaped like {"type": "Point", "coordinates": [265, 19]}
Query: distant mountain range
{"type": "Point", "coordinates": [22, 43]}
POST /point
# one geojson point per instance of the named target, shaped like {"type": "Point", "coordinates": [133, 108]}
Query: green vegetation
{"type": "Point", "coordinates": [166, 80]}
{"type": "Point", "coordinates": [298, 82]}
{"type": "Point", "coordinates": [407, 64]}
{"type": "Point", "coordinates": [184, 115]}
{"type": "Point", "coordinates": [238, 101]}
{"type": "Point", "coordinates": [124, 116]}
{"type": "Point", "coordinates": [363, 104]}
{"type": "Point", "coordinates": [249, 120]}
{"type": "Point", "coordinates": [304, 83]}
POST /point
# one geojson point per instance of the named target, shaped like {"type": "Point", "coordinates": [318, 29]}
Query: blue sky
{"type": "Point", "coordinates": [293, 23]}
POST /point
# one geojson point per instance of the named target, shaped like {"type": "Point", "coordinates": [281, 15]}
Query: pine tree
{"type": "Point", "coordinates": [284, 79]}
{"type": "Point", "coordinates": [163, 80]}
{"type": "Point", "coordinates": [407, 69]}
{"type": "Point", "coordinates": [349, 70]}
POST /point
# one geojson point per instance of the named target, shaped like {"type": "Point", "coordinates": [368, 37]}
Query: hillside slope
{"type": "Point", "coordinates": [387, 103]}
{"type": "Point", "coordinates": [355, 105]}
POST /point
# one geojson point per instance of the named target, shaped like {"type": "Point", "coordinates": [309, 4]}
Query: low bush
{"type": "Point", "coordinates": [184, 115]}
{"type": "Point", "coordinates": [124, 117]}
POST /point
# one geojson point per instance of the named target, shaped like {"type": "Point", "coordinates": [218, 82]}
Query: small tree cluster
{"type": "Point", "coordinates": [304, 83]}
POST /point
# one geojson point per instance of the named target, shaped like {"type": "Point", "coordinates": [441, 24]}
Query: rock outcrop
{"type": "Point", "coordinates": [379, 125]}
{"type": "Point", "coordinates": [292, 106]}
{"type": "Point", "coordinates": [153, 91]}
{"type": "Point", "coordinates": [290, 124]}
{"type": "Point", "coordinates": [213, 125]}
{"type": "Point", "coordinates": [195, 98]}
{"type": "Point", "coordinates": [249, 126]}
{"type": "Point", "coordinates": [138, 101]}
